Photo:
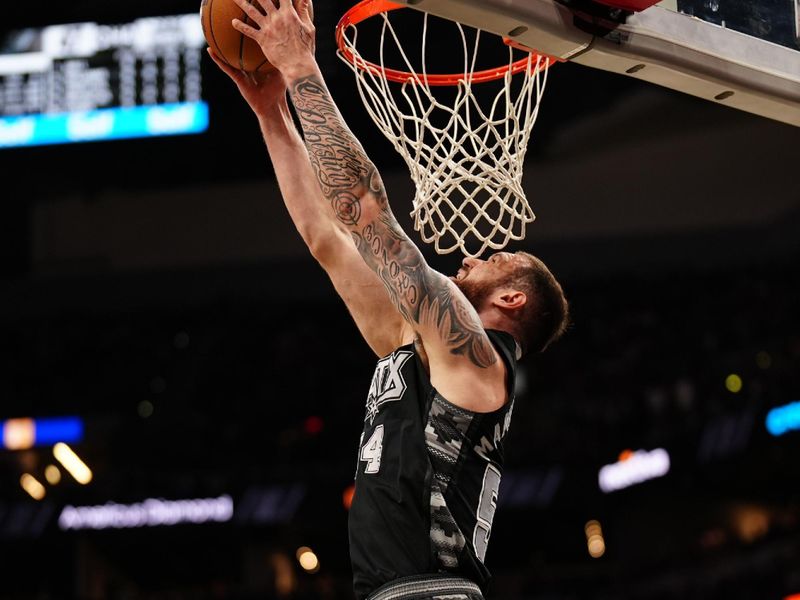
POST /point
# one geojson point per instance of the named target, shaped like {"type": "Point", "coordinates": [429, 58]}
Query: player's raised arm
{"type": "Point", "coordinates": [351, 183]}
{"type": "Point", "coordinates": [327, 239]}
{"type": "Point", "coordinates": [450, 328]}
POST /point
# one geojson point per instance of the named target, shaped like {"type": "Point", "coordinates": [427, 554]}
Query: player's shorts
{"type": "Point", "coordinates": [428, 587]}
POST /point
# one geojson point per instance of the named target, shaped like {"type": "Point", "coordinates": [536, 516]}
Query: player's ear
{"type": "Point", "coordinates": [511, 299]}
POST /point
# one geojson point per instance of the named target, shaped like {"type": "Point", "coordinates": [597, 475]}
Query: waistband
{"type": "Point", "coordinates": [446, 587]}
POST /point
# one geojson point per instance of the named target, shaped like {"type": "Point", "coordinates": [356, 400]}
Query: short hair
{"type": "Point", "coordinates": [545, 316]}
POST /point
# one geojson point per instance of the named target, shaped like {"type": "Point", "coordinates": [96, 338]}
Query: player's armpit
{"type": "Point", "coordinates": [450, 328]}
{"type": "Point", "coordinates": [365, 296]}
{"type": "Point", "coordinates": [463, 364]}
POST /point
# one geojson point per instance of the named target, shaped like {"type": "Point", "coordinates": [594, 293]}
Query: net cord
{"type": "Point", "coordinates": [463, 162]}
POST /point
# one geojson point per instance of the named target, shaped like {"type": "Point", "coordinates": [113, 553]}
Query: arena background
{"type": "Point", "coordinates": [156, 290]}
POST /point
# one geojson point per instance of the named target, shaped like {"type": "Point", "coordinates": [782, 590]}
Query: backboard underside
{"type": "Point", "coordinates": [747, 59]}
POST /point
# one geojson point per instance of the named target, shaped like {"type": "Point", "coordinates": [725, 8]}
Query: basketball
{"type": "Point", "coordinates": [231, 46]}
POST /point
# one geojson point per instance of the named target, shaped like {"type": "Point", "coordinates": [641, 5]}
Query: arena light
{"type": "Point", "coordinates": [307, 559]}
{"type": "Point", "coordinates": [52, 474]}
{"type": "Point", "coordinates": [145, 409]}
{"type": "Point", "coordinates": [632, 468]}
{"type": "Point", "coordinates": [750, 522]}
{"type": "Point", "coordinates": [733, 383]}
{"type": "Point", "coordinates": [72, 463]}
{"type": "Point", "coordinates": [32, 485]}
{"type": "Point", "coordinates": [347, 496]}
{"type": "Point", "coordinates": [595, 542]}
{"type": "Point", "coordinates": [596, 546]}
{"type": "Point", "coordinates": [784, 419]}
{"type": "Point", "coordinates": [52, 431]}
{"type": "Point", "coordinates": [152, 512]}
{"type": "Point", "coordinates": [313, 425]}
{"type": "Point", "coordinates": [21, 434]}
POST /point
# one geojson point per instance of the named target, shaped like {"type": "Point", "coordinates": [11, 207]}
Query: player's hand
{"type": "Point", "coordinates": [286, 35]}
{"type": "Point", "coordinates": [260, 90]}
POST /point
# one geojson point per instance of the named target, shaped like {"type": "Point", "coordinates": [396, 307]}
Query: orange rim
{"type": "Point", "coordinates": [370, 8]}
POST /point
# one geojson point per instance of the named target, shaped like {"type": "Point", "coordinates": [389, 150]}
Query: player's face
{"type": "Point", "coordinates": [493, 268]}
{"type": "Point", "coordinates": [478, 279]}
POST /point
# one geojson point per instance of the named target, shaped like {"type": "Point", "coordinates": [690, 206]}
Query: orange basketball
{"type": "Point", "coordinates": [233, 47]}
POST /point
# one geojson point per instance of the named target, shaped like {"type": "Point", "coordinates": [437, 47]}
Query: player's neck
{"type": "Point", "coordinates": [494, 318]}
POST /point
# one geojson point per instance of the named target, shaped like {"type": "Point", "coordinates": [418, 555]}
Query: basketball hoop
{"type": "Point", "coordinates": [467, 170]}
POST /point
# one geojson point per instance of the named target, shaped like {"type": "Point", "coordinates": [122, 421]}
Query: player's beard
{"type": "Point", "coordinates": [476, 292]}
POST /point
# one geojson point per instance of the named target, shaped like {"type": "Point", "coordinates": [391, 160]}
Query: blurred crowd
{"type": "Point", "coordinates": [233, 394]}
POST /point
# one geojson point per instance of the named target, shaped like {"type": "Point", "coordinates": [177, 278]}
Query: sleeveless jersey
{"type": "Point", "coordinates": [428, 475]}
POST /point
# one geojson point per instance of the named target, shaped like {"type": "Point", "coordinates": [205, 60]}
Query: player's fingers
{"type": "Point", "coordinates": [269, 6]}
{"type": "Point", "coordinates": [250, 10]}
{"type": "Point", "coordinates": [304, 10]}
{"type": "Point", "coordinates": [245, 29]}
{"type": "Point", "coordinates": [225, 67]}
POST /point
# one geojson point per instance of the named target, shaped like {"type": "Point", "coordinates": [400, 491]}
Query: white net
{"type": "Point", "coordinates": [466, 152]}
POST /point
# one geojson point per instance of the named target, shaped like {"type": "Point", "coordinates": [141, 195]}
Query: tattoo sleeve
{"type": "Point", "coordinates": [353, 186]}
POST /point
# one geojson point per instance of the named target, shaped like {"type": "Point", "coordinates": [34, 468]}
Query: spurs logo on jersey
{"type": "Point", "coordinates": [387, 384]}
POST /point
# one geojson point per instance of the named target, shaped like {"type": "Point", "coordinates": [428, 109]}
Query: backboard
{"type": "Point", "coordinates": [740, 53]}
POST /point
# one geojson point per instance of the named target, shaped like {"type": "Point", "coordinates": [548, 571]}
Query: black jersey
{"type": "Point", "coordinates": [427, 478]}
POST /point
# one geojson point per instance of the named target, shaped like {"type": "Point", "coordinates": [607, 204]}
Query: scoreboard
{"type": "Point", "coordinates": [88, 81]}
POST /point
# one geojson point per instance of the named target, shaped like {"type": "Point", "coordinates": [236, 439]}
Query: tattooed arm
{"type": "Point", "coordinates": [463, 363]}
{"type": "Point", "coordinates": [450, 329]}
{"type": "Point", "coordinates": [328, 240]}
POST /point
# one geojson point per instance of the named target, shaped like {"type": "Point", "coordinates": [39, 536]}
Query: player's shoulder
{"type": "Point", "coordinates": [506, 346]}
{"type": "Point", "coordinates": [483, 389]}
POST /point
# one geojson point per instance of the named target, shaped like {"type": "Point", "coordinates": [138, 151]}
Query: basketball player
{"type": "Point", "coordinates": [440, 400]}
